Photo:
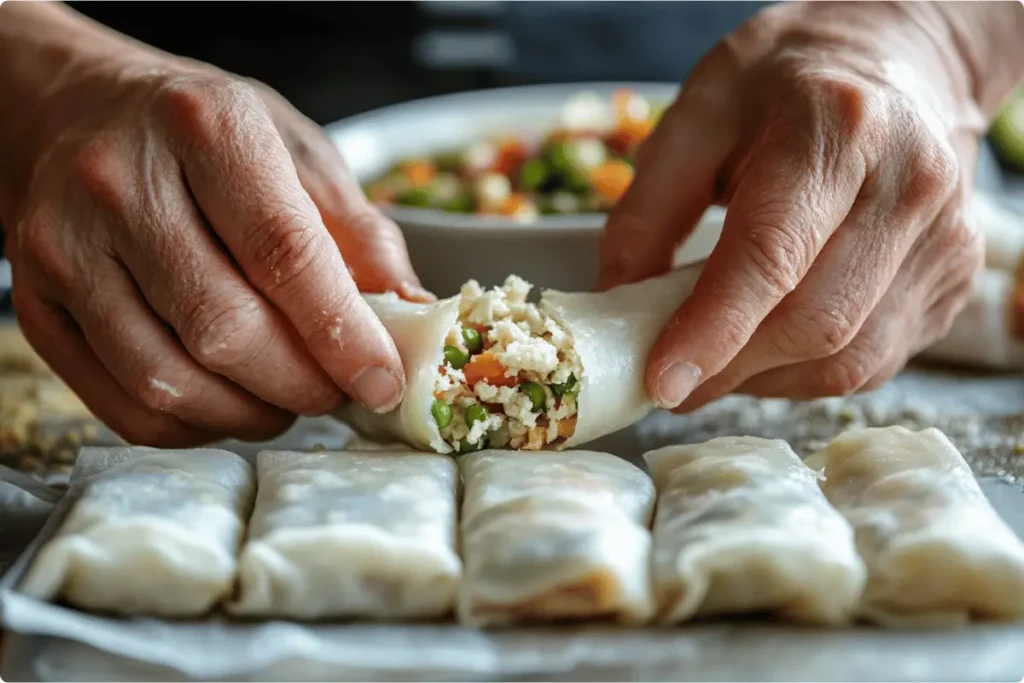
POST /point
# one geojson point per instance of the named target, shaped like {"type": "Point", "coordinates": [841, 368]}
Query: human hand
{"type": "Point", "coordinates": [843, 138]}
{"type": "Point", "coordinates": [169, 264]}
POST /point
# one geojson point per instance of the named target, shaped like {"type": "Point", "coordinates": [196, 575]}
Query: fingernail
{"type": "Point", "coordinates": [676, 383]}
{"type": "Point", "coordinates": [415, 293]}
{"type": "Point", "coordinates": [377, 389]}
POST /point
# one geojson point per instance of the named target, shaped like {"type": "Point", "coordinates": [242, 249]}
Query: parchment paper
{"type": "Point", "coordinates": [982, 414]}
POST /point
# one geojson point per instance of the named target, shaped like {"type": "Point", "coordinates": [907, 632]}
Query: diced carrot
{"type": "Point", "coordinates": [485, 367]}
{"type": "Point", "coordinates": [510, 156]}
{"type": "Point", "coordinates": [611, 179]}
{"type": "Point", "coordinates": [515, 204]}
{"type": "Point", "coordinates": [566, 427]}
{"type": "Point", "coordinates": [420, 172]}
{"type": "Point", "coordinates": [620, 103]}
{"type": "Point", "coordinates": [628, 134]}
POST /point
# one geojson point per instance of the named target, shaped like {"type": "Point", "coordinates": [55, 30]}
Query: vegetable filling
{"type": "Point", "coordinates": [510, 376]}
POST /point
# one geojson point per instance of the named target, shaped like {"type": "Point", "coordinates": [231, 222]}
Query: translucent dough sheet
{"type": "Point", "coordinates": [983, 415]}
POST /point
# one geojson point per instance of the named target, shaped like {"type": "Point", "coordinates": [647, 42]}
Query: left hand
{"type": "Point", "coordinates": [842, 137]}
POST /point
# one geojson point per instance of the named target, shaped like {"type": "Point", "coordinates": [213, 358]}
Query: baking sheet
{"type": "Point", "coordinates": [981, 413]}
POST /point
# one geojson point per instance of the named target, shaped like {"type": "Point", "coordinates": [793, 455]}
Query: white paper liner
{"type": "Point", "coordinates": [51, 642]}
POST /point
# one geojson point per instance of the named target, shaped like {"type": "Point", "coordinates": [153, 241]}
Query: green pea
{"type": "Point", "coordinates": [418, 197]}
{"type": "Point", "coordinates": [560, 156]}
{"type": "Point", "coordinates": [456, 357]}
{"type": "Point", "coordinates": [566, 387]}
{"type": "Point", "coordinates": [535, 393]}
{"type": "Point", "coordinates": [475, 413]}
{"type": "Point", "coordinates": [465, 446]}
{"type": "Point", "coordinates": [448, 161]}
{"type": "Point", "coordinates": [533, 174]}
{"type": "Point", "coordinates": [461, 203]}
{"type": "Point", "coordinates": [471, 338]}
{"type": "Point", "coordinates": [442, 413]}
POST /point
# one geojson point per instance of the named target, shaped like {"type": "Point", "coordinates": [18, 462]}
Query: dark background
{"type": "Point", "coordinates": [336, 59]}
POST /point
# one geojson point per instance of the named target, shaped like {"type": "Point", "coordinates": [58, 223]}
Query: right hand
{"type": "Point", "coordinates": [171, 268]}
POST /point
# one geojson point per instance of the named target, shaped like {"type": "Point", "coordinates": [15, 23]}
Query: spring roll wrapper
{"type": "Point", "coordinates": [937, 553]}
{"type": "Point", "coordinates": [612, 332]}
{"type": "Point", "coordinates": [354, 534]}
{"type": "Point", "coordinates": [419, 331]}
{"type": "Point", "coordinates": [156, 534]}
{"type": "Point", "coordinates": [554, 536]}
{"type": "Point", "coordinates": [988, 333]}
{"type": "Point", "coordinates": [742, 528]}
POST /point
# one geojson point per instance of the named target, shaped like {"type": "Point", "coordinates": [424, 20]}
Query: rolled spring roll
{"type": "Point", "coordinates": [554, 536]}
{"type": "Point", "coordinates": [491, 369]}
{"type": "Point", "coordinates": [989, 332]}
{"type": "Point", "coordinates": [351, 534]}
{"type": "Point", "coordinates": [742, 528]}
{"type": "Point", "coordinates": [155, 534]}
{"type": "Point", "coordinates": [937, 553]}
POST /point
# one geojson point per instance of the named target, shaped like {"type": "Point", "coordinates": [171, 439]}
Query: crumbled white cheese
{"type": "Point", "coordinates": [482, 427]}
{"type": "Point", "coordinates": [530, 346]}
{"type": "Point", "coordinates": [532, 355]}
{"type": "Point", "coordinates": [488, 307]}
{"type": "Point", "coordinates": [480, 156]}
{"type": "Point", "coordinates": [505, 332]}
{"type": "Point", "coordinates": [588, 153]}
{"type": "Point", "coordinates": [492, 189]}
{"type": "Point", "coordinates": [587, 111]}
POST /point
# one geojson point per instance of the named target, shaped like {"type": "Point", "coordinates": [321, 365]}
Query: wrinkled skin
{"type": "Point", "coordinates": [842, 138]}
{"type": "Point", "coordinates": [188, 251]}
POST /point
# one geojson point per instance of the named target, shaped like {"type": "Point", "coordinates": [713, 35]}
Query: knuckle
{"type": "Point", "coordinates": [819, 331]}
{"type": "Point", "coordinates": [778, 252]}
{"type": "Point", "coordinates": [200, 106]}
{"type": "Point", "coordinates": [40, 241]}
{"type": "Point", "coordinates": [847, 103]}
{"type": "Point", "coordinates": [222, 335]}
{"type": "Point", "coordinates": [99, 168]}
{"type": "Point", "coordinates": [849, 370]}
{"type": "Point", "coordinates": [284, 248]}
{"type": "Point", "coordinates": [933, 172]}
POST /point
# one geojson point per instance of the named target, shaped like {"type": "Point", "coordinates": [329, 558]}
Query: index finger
{"type": "Point", "coordinates": [677, 173]}
{"type": "Point", "coordinates": [785, 208]}
{"type": "Point", "coordinates": [246, 184]}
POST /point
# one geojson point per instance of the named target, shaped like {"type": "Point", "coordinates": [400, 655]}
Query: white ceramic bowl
{"type": "Point", "coordinates": [446, 248]}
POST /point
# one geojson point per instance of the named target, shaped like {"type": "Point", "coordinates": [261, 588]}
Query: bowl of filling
{"type": "Point", "coordinates": [513, 180]}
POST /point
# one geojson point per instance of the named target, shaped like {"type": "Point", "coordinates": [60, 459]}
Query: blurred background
{"type": "Point", "coordinates": [337, 59]}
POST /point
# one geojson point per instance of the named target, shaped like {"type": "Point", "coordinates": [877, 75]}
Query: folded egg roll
{"type": "Point", "coordinates": [155, 533]}
{"type": "Point", "coordinates": [936, 551]}
{"type": "Point", "coordinates": [554, 536]}
{"type": "Point", "coordinates": [351, 535]}
{"type": "Point", "coordinates": [742, 528]}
